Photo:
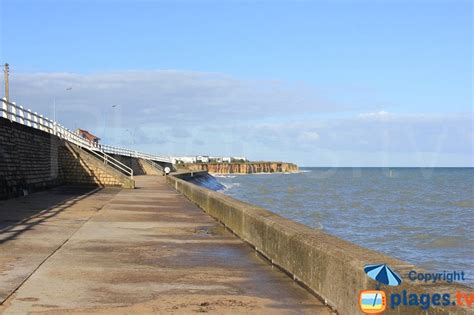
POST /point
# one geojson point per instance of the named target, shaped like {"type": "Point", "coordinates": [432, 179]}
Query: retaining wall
{"type": "Point", "coordinates": [328, 266]}
{"type": "Point", "coordinates": [28, 159]}
{"type": "Point", "coordinates": [78, 166]}
{"type": "Point", "coordinates": [32, 160]}
{"type": "Point", "coordinates": [139, 166]}
{"type": "Point", "coordinates": [148, 169]}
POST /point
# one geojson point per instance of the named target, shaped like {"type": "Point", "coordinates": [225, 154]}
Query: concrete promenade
{"type": "Point", "coordinates": [148, 250]}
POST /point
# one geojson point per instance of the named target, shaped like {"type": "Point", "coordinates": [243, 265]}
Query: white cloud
{"type": "Point", "coordinates": [376, 115]}
{"type": "Point", "coordinates": [185, 112]}
{"type": "Point", "coordinates": [151, 97]}
{"type": "Point", "coordinates": [413, 134]}
{"type": "Point", "coordinates": [308, 137]}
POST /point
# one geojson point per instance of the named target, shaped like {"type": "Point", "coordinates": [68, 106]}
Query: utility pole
{"type": "Point", "coordinates": [7, 90]}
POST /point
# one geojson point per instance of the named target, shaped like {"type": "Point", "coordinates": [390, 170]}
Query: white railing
{"type": "Point", "coordinates": [26, 117]}
{"type": "Point", "coordinates": [155, 165]}
{"type": "Point", "coordinates": [132, 153]}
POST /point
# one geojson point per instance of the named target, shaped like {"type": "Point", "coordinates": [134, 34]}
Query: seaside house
{"type": "Point", "coordinates": [238, 159]}
{"type": "Point", "coordinates": [207, 159]}
{"type": "Point", "coordinates": [183, 159]}
{"type": "Point", "coordinates": [202, 159]}
{"type": "Point", "coordinates": [94, 140]}
{"type": "Point", "coordinates": [215, 159]}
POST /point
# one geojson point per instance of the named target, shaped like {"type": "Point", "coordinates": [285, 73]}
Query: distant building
{"type": "Point", "coordinates": [207, 159]}
{"type": "Point", "coordinates": [183, 159]}
{"type": "Point", "coordinates": [228, 159]}
{"type": "Point", "coordinates": [202, 159]}
{"type": "Point", "coordinates": [94, 140]}
{"type": "Point", "coordinates": [238, 159]}
{"type": "Point", "coordinates": [216, 159]}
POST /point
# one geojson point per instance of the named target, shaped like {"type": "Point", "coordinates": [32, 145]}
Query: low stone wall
{"type": "Point", "coordinates": [328, 266]}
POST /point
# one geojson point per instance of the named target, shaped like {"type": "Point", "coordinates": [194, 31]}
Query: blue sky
{"type": "Point", "coordinates": [353, 83]}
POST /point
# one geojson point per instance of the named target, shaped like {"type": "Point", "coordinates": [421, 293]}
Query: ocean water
{"type": "Point", "coordinates": [421, 215]}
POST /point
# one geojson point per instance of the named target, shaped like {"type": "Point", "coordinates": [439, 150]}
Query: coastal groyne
{"type": "Point", "coordinates": [330, 267]}
{"type": "Point", "coordinates": [242, 167]}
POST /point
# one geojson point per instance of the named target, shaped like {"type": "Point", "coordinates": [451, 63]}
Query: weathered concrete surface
{"type": "Point", "coordinates": [330, 266]}
{"type": "Point", "coordinates": [150, 250]}
{"type": "Point", "coordinates": [33, 227]}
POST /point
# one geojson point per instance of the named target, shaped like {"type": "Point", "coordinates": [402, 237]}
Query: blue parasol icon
{"type": "Point", "coordinates": [383, 274]}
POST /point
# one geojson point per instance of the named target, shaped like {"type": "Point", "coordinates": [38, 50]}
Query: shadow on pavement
{"type": "Point", "coordinates": [22, 214]}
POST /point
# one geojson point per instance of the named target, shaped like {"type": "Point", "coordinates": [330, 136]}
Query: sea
{"type": "Point", "coordinates": [424, 216]}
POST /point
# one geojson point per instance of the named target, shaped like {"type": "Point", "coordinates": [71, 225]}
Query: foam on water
{"type": "Point", "coordinates": [231, 186]}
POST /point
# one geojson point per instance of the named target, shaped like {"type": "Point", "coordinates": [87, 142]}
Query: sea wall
{"type": "Point", "coordinates": [32, 160]}
{"type": "Point", "coordinates": [28, 159]}
{"type": "Point", "coordinates": [328, 266]}
{"type": "Point", "coordinates": [242, 168]}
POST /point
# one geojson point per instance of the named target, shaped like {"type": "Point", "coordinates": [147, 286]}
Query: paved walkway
{"type": "Point", "coordinates": [147, 250]}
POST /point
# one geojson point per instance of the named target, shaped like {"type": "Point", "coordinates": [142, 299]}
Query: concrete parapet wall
{"type": "Point", "coordinates": [330, 267]}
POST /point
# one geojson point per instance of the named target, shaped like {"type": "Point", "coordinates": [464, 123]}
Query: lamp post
{"type": "Point", "coordinates": [6, 71]}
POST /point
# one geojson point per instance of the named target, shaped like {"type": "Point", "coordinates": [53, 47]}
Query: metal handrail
{"type": "Point", "coordinates": [155, 165]}
{"type": "Point", "coordinates": [114, 162]}
{"type": "Point", "coordinates": [16, 113]}
{"type": "Point", "coordinates": [133, 153]}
